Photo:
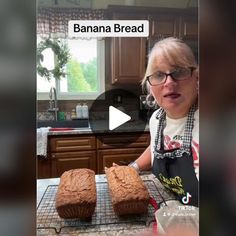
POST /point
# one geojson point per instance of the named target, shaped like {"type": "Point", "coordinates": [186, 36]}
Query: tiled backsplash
{"type": "Point", "coordinates": [45, 116]}
{"type": "Point", "coordinates": [95, 115]}
{"type": "Point", "coordinates": [98, 111]}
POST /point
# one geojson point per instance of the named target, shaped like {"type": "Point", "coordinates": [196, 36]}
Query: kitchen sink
{"type": "Point", "coordinates": [77, 124]}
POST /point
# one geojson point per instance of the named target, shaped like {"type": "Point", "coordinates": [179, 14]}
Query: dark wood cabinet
{"type": "Point", "coordinates": [189, 27]}
{"type": "Point", "coordinates": [163, 25]}
{"type": "Point", "coordinates": [43, 167]}
{"type": "Point", "coordinates": [189, 31]}
{"type": "Point", "coordinates": [64, 161]}
{"type": "Point", "coordinates": [94, 152]}
{"type": "Point", "coordinates": [182, 24]}
{"type": "Point", "coordinates": [120, 156]}
{"type": "Point", "coordinates": [72, 143]}
{"type": "Point", "coordinates": [116, 140]}
{"type": "Point", "coordinates": [127, 55]}
{"type": "Point", "coordinates": [109, 149]}
{"type": "Point", "coordinates": [68, 152]}
{"type": "Point", "coordinates": [128, 64]}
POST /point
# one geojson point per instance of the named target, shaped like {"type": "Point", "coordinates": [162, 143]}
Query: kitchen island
{"type": "Point", "coordinates": [105, 224]}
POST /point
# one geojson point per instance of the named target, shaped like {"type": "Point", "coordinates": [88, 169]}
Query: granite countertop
{"type": "Point", "coordinates": [101, 127]}
{"type": "Point", "coordinates": [105, 229]}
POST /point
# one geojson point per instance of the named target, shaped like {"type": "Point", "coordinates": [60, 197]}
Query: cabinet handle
{"type": "Point", "coordinates": [124, 162]}
{"type": "Point", "coordinates": [160, 36]}
{"type": "Point", "coordinates": [53, 155]}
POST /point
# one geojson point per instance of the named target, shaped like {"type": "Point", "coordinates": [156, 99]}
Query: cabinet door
{"type": "Point", "coordinates": [128, 60]}
{"type": "Point", "coordinates": [128, 54]}
{"type": "Point", "coordinates": [189, 27]}
{"type": "Point", "coordinates": [119, 156]}
{"type": "Point", "coordinates": [62, 162]}
{"type": "Point", "coordinates": [43, 168]}
{"type": "Point", "coordinates": [163, 26]}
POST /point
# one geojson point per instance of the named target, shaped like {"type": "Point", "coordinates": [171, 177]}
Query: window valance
{"type": "Point", "coordinates": [53, 22]}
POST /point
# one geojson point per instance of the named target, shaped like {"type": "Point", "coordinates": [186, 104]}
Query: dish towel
{"type": "Point", "coordinates": [42, 141]}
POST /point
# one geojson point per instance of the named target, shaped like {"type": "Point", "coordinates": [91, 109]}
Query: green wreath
{"type": "Point", "coordinates": [62, 54]}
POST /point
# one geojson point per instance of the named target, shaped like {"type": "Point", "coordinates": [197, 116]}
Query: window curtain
{"type": "Point", "coordinates": [53, 22]}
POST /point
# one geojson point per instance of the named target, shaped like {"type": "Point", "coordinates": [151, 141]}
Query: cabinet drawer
{"type": "Point", "coordinates": [134, 140]}
{"type": "Point", "coordinates": [64, 144]}
{"type": "Point", "coordinates": [65, 161]}
{"type": "Point", "coordinates": [118, 156]}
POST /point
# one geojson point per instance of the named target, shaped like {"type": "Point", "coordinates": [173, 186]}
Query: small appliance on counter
{"type": "Point", "coordinates": [147, 106]}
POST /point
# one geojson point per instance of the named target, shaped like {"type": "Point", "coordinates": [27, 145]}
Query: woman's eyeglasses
{"type": "Point", "coordinates": [179, 74]}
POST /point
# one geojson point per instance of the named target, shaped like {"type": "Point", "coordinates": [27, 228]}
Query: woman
{"type": "Point", "coordinates": [172, 79]}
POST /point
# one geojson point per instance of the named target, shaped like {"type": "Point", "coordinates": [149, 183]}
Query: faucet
{"type": "Point", "coordinates": [53, 102]}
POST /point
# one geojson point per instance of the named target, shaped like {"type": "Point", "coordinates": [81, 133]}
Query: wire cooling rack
{"type": "Point", "coordinates": [48, 218]}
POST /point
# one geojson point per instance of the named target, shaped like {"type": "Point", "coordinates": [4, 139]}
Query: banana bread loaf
{"type": "Point", "coordinates": [76, 195]}
{"type": "Point", "coordinates": [128, 193]}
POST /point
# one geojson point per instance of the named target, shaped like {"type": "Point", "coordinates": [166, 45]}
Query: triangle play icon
{"type": "Point", "coordinates": [117, 118]}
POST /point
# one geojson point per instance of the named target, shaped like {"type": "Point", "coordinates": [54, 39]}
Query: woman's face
{"type": "Point", "coordinates": [175, 97]}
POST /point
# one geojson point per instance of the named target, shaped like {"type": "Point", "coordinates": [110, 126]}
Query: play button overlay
{"type": "Point", "coordinates": [117, 118]}
{"type": "Point", "coordinates": [114, 118]}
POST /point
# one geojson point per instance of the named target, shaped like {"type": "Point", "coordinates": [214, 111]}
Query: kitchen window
{"type": "Point", "coordinates": [85, 71]}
